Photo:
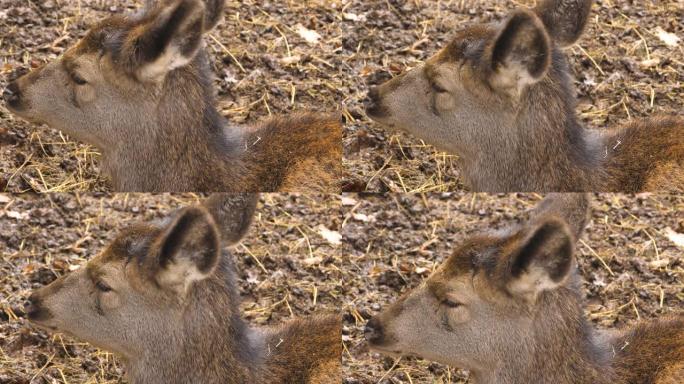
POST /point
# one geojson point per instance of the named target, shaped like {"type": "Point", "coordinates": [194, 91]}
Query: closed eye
{"type": "Point", "coordinates": [450, 304]}
{"type": "Point", "coordinates": [102, 287]}
{"type": "Point", "coordinates": [77, 79]}
{"type": "Point", "coordinates": [438, 89]}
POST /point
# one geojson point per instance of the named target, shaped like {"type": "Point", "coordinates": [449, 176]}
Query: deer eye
{"type": "Point", "coordinates": [450, 304]}
{"type": "Point", "coordinates": [78, 79]}
{"type": "Point", "coordinates": [438, 89]}
{"type": "Point", "coordinates": [102, 287]}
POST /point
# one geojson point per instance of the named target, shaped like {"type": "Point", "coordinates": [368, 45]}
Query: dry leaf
{"type": "Point", "coordinates": [670, 39]}
{"type": "Point", "coordinates": [16, 215]}
{"type": "Point", "coordinates": [348, 201]}
{"type": "Point", "coordinates": [333, 237]}
{"type": "Point", "coordinates": [291, 60]}
{"type": "Point", "coordinates": [659, 263]}
{"type": "Point", "coordinates": [311, 37]}
{"type": "Point", "coordinates": [675, 237]}
{"type": "Point", "coordinates": [361, 217]}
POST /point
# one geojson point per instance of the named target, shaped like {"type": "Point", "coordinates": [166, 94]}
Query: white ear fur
{"type": "Point", "coordinates": [167, 62]}
{"type": "Point", "coordinates": [513, 77]}
{"type": "Point", "coordinates": [182, 22]}
{"type": "Point", "coordinates": [533, 281]}
{"type": "Point", "coordinates": [189, 250]}
{"type": "Point", "coordinates": [521, 53]}
{"type": "Point", "coordinates": [179, 274]}
{"type": "Point", "coordinates": [544, 260]}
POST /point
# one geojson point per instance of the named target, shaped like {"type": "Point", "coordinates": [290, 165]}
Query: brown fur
{"type": "Point", "coordinates": [651, 352]}
{"type": "Point", "coordinates": [175, 332]}
{"type": "Point", "coordinates": [287, 355]}
{"type": "Point", "coordinates": [148, 104]}
{"type": "Point", "coordinates": [646, 155]}
{"type": "Point", "coordinates": [293, 166]}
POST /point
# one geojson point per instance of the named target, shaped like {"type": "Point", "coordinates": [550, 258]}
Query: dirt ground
{"type": "Point", "coordinates": [286, 269]}
{"type": "Point", "coordinates": [393, 242]}
{"type": "Point", "coordinates": [263, 66]}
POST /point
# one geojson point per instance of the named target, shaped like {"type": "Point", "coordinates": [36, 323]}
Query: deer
{"type": "Point", "coordinates": [500, 97]}
{"type": "Point", "coordinates": [163, 297]}
{"type": "Point", "coordinates": [140, 89]}
{"type": "Point", "coordinates": [507, 306]}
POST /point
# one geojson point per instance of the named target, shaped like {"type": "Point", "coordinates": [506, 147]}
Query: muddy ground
{"type": "Point", "coordinates": [392, 243]}
{"type": "Point", "coordinates": [263, 66]}
{"type": "Point", "coordinates": [286, 269]}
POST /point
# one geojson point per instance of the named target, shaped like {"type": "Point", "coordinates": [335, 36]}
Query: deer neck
{"type": "Point", "coordinates": [208, 343]}
{"type": "Point", "coordinates": [562, 348]}
{"type": "Point", "coordinates": [187, 148]}
{"type": "Point", "coordinates": [537, 145]}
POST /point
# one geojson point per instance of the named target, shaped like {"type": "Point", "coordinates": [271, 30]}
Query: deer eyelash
{"type": "Point", "coordinates": [437, 88]}
{"type": "Point", "coordinates": [450, 304]}
{"type": "Point", "coordinates": [102, 287]}
{"type": "Point", "coordinates": [78, 79]}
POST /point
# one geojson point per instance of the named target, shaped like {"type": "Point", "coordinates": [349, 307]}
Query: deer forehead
{"type": "Point", "coordinates": [129, 250]}
{"type": "Point", "coordinates": [468, 44]}
{"type": "Point", "coordinates": [481, 262]}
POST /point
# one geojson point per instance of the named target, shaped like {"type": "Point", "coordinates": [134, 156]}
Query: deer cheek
{"type": "Point", "coordinates": [445, 102]}
{"type": "Point", "coordinates": [86, 94]}
{"type": "Point", "coordinates": [458, 316]}
{"type": "Point", "coordinates": [110, 300]}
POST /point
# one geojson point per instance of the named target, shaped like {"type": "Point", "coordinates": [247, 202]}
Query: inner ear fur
{"type": "Point", "coordinates": [520, 54]}
{"type": "Point", "coordinates": [168, 36]}
{"type": "Point", "coordinates": [187, 250]}
{"type": "Point", "coordinates": [212, 16]}
{"type": "Point", "coordinates": [542, 260]}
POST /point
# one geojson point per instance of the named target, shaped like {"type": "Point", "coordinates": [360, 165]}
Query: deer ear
{"type": "Point", "coordinates": [233, 213]}
{"type": "Point", "coordinates": [521, 53]}
{"type": "Point", "coordinates": [214, 13]}
{"type": "Point", "coordinates": [187, 250]}
{"type": "Point", "coordinates": [543, 261]}
{"type": "Point", "coordinates": [573, 208]}
{"type": "Point", "coordinates": [565, 20]}
{"type": "Point", "coordinates": [167, 37]}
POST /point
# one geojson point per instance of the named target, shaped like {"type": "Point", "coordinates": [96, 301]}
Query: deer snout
{"type": "Point", "coordinates": [373, 104]}
{"type": "Point", "coordinates": [35, 309]}
{"type": "Point", "coordinates": [372, 100]}
{"type": "Point", "coordinates": [373, 331]}
{"type": "Point", "coordinates": [12, 95]}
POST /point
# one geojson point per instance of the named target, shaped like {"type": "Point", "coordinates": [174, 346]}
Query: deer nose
{"type": "Point", "coordinates": [372, 98]}
{"type": "Point", "coordinates": [373, 331]}
{"type": "Point", "coordinates": [373, 104]}
{"type": "Point", "coordinates": [35, 310]}
{"type": "Point", "coordinates": [12, 95]}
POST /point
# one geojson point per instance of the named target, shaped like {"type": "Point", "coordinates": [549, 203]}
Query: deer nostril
{"type": "Point", "coordinates": [34, 309]}
{"type": "Point", "coordinates": [373, 94]}
{"type": "Point", "coordinates": [31, 305]}
{"type": "Point", "coordinates": [371, 98]}
{"type": "Point", "coordinates": [374, 104]}
{"type": "Point", "coordinates": [12, 94]}
{"type": "Point", "coordinates": [373, 331]}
